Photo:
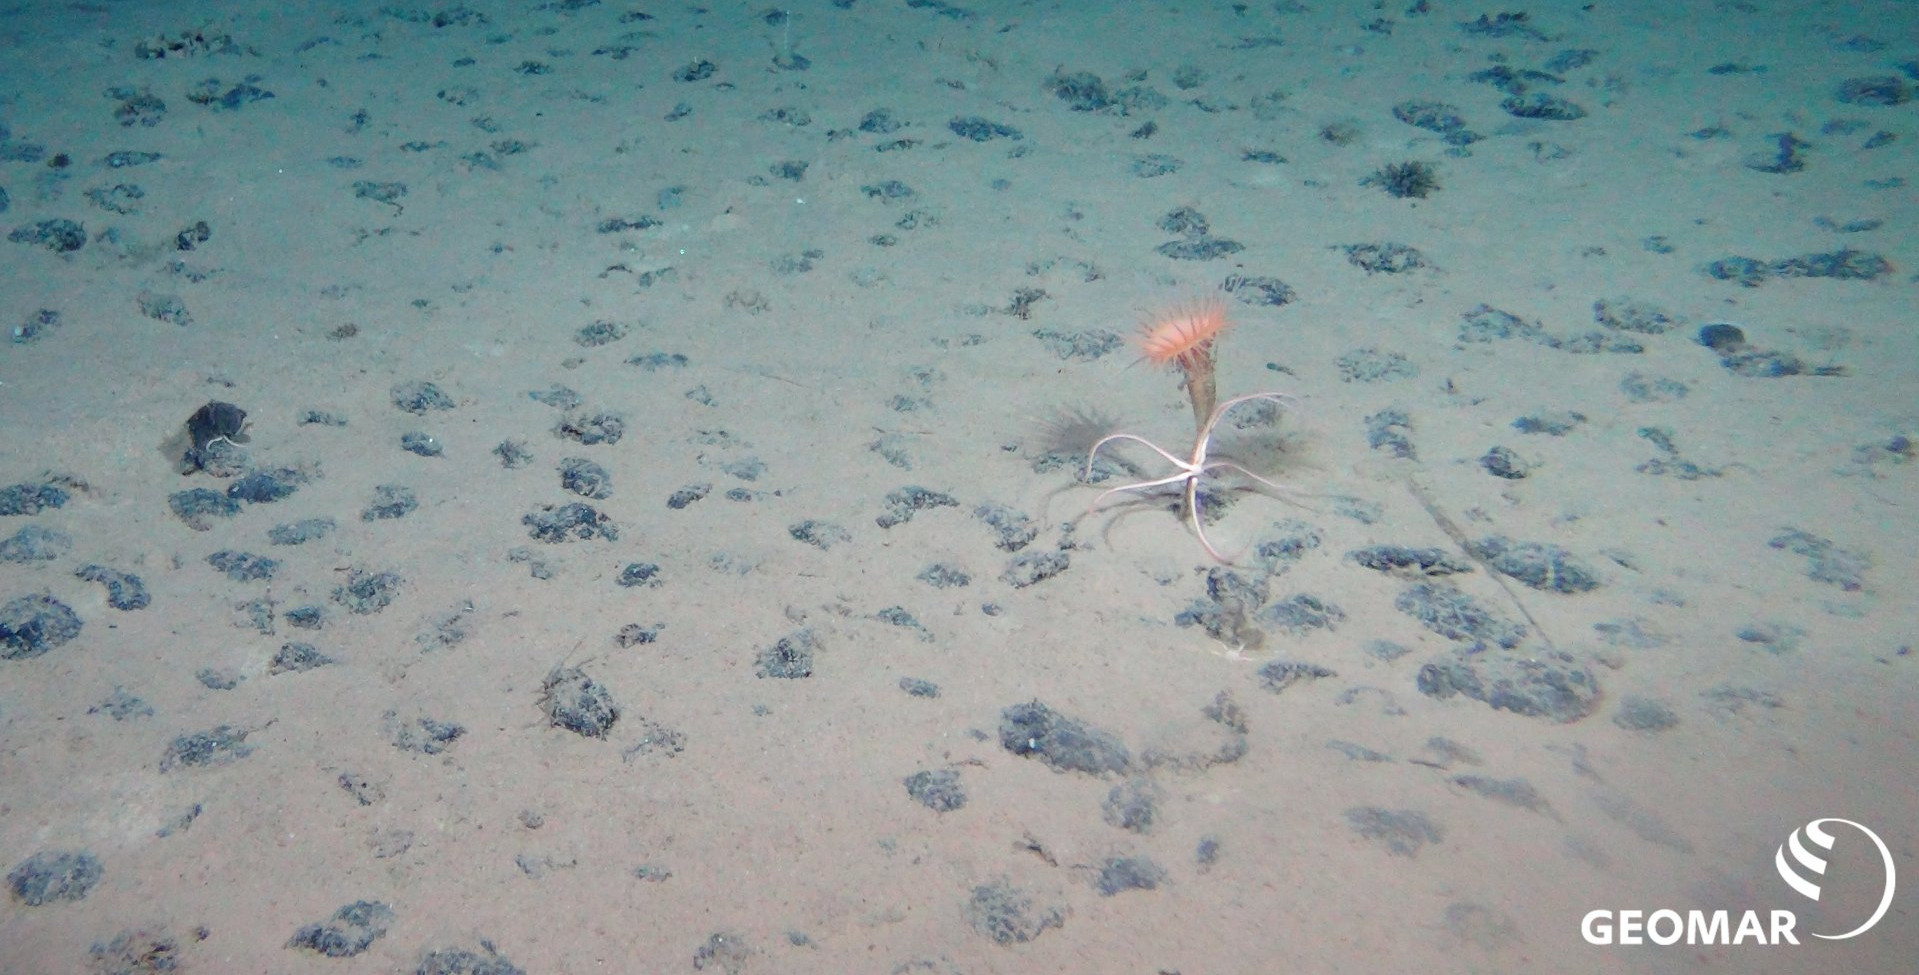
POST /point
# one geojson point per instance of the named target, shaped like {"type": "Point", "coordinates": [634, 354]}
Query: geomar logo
{"type": "Point", "coordinates": [1801, 862]}
{"type": "Point", "coordinates": [1803, 859]}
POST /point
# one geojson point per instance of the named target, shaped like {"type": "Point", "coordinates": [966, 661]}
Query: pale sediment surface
{"type": "Point", "coordinates": [653, 538]}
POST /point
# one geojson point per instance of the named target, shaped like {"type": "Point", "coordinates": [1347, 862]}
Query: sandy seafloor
{"type": "Point", "coordinates": [1742, 666]}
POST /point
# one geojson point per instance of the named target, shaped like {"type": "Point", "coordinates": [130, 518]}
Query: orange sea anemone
{"type": "Point", "coordinates": [1184, 334]}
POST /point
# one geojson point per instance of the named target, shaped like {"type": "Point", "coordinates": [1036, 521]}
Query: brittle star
{"type": "Point", "coordinates": [1190, 471]}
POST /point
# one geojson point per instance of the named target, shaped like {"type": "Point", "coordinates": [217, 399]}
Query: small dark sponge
{"type": "Point", "coordinates": [1402, 180]}
{"type": "Point", "coordinates": [1722, 337]}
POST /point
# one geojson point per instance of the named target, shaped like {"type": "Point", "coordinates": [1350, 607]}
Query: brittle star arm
{"type": "Point", "coordinates": [1190, 480]}
{"type": "Point", "coordinates": [1280, 490]}
{"type": "Point", "coordinates": [1199, 526]}
{"type": "Point", "coordinates": [1136, 438]}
